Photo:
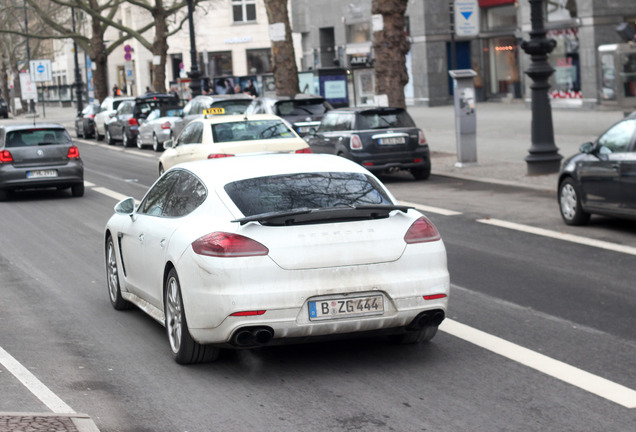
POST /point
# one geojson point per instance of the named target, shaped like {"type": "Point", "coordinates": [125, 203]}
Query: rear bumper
{"type": "Point", "coordinates": [12, 178]}
{"type": "Point", "coordinates": [391, 161]}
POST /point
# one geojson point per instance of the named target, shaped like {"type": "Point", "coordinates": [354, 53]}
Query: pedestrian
{"type": "Point", "coordinates": [116, 90]}
{"type": "Point", "coordinates": [250, 89]}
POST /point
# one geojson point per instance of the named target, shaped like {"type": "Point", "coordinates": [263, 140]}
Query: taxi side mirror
{"type": "Point", "coordinates": [168, 144]}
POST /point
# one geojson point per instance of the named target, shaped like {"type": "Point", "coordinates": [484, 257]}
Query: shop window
{"type": "Point", "coordinates": [258, 61]}
{"type": "Point", "coordinates": [358, 33]}
{"type": "Point", "coordinates": [219, 63]}
{"type": "Point", "coordinates": [503, 17]}
{"type": "Point", "coordinates": [505, 66]}
{"type": "Point", "coordinates": [560, 10]}
{"type": "Point", "coordinates": [566, 80]}
{"type": "Point", "coordinates": [244, 10]}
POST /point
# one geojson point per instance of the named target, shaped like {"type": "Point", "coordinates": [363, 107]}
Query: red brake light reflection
{"type": "Point", "coordinates": [434, 296]}
{"type": "Point", "coordinates": [5, 156]}
{"type": "Point", "coordinates": [219, 155]}
{"type": "Point", "coordinates": [73, 152]}
{"type": "Point", "coordinates": [304, 150]}
{"type": "Point", "coordinates": [422, 231]}
{"type": "Point", "coordinates": [228, 245]}
{"type": "Point", "coordinates": [248, 313]}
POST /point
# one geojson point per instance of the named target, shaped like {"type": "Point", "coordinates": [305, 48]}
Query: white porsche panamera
{"type": "Point", "coordinates": [264, 249]}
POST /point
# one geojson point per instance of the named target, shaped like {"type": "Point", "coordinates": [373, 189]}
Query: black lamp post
{"type": "Point", "coordinates": [543, 157]}
{"type": "Point", "coordinates": [194, 74]}
{"type": "Point", "coordinates": [78, 76]}
{"type": "Point", "coordinates": [31, 103]}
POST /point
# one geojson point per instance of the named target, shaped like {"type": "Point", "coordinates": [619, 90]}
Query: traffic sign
{"type": "Point", "coordinates": [466, 17]}
{"type": "Point", "coordinates": [127, 48]}
{"type": "Point", "coordinates": [127, 56]}
{"type": "Point", "coordinates": [40, 70]}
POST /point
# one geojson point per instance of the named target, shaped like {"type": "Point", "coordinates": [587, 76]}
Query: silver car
{"type": "Point", "coordinates": [156, 129]}
{"type": "Point", "coordinates": [231, 103]}
{"type": "Point", "coordinates": [39, 156]}
{"type": "Point", "coordinates": [108, 108]}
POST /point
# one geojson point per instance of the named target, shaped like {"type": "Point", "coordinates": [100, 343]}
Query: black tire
{"type": "Point", "coordinates": [185, 350]}
{"type": "Point", "coordinates": [109, 137]}
{"type": "Point", "coordinates": [421, 173]}
{"type": "Point", "coordinates": [77, 132]}
{"type": "Point", "coordinates": [112, 277]}
{"type": "Point", "coordinates": [4, 194]}
{"type": "Point", "coordinates": [124, 138]}
{"type": "Point", "coordinates": [413, 337]}
{"type": "Point", "coordinates": [77, 190]}
{"type": "Point", "coordinates": [156, 146]}
{"type": "Point", "coordinates": [570, 203]}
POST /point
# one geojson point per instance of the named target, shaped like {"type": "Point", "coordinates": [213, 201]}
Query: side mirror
{"type": "Point", "coordinates": [168, 144]}
{"type": "Point", "coordinates": [126, 206]}
{"type": "Point", "coordinates": [312, 132]}
{"type": "Point", "coordinates": [586, 148]}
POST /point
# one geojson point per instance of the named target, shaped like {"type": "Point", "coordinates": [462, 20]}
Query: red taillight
{"type": "Point", "coordinates": [304, 150]}
{"type": "Point", "coordinates": [165, 125]}
{"type": "Point", "coordinates": [133, 121]}
{"type": "Point", "coordinates": [422, 231]}
{"type": "Point", "coordinates": [418, 160]}
{"type": "Point", "coordinates": [91, 116]}
{"type": "Point", "coordinates": [228, 245]}
{"type": "Point", "coordinates": [5, 156]}
{"type": "Point", "coordinates": [248, 313]}
{"type": "Point", "coordinates": [367, 163]}
{"type": "Point", "coordinates": [219, 155]}
{"type": "Point", "coordinates": [434, 296]}
{"type": "Point", "coordinates": [73, 152]}
{"type": "Point", "coordinates": [355, 143]}
{"type": "Point", "coordinates": [421, 138]}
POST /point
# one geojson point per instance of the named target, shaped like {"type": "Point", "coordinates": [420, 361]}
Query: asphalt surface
{"type": "Point", "coordinates": [503, 140]}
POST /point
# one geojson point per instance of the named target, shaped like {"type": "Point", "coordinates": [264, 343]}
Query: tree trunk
{"type": "Point", "coordinates": [283, 57]}
{"type": "Point", "coordinates": [390, 47]}
{"type": "Point", "coordinates": [160, 49]}
{"type": "Point", "coordinates": [99, 58]}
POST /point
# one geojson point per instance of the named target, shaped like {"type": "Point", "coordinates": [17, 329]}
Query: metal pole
{"type": "Point", "coordinates": [28, 52]}
{"type": "Point", "coordinates": [78, 75]}
{"type": "Point", "coordinates": [194, 74]}
{"type": "Point", "coordinates": [451, 8]}
{"type": "Point", "coordinates": [543, 157]}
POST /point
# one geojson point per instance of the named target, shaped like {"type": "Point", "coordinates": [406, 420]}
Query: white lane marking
{"type": "Point", "coordinates": [134, 151]}
{"type": "Point", "coordinates": [88, 184]}
{"type": "Point", "coordinates": [429, 209]}
{"type": "Point", "coordinates": [110, 193]}
{"type": "Point", "coordinates": [577, 377]}
{"type": "Point", "coordinates": [35, 386]}
{"type": "Point", "coordinates": [561, 236]}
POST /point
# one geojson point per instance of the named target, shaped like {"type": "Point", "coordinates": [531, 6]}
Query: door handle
{"type": "Point", "coordinates": [141, 237]}
{"type": "Point", "coordinates": [162, 243]}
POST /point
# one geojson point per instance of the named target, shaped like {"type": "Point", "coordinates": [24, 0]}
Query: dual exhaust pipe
{"type": "Point", "coordinates": [427, 319]}
{"type": "Point", "coordinates": [252, 336]}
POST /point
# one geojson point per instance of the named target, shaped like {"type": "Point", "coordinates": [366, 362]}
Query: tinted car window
{"type": "Point", "coordinates": [307, 190]}
{"type": "Point", "coordinates": [384, 119]}
{"type": "Point", "coordinates": [300, 107]}
{"type": "Point", "coordinates": [187, 194]}
{"type": "Point", "coordinates": [618, 138]}
{"type": "Point", "coordinates": [233, 106]}
{"type": "Point", "coordinates": [35, 137]}
{"type": "Point", "coordinates": [250, 130]}
{"type": "Point", "coordinates": [192, 134]}
{"type": "Point", "coordinates": [156, 198]}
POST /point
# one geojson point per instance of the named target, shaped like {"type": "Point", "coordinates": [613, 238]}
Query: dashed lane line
{"type": "Point", "coordinates": [561, 236]}
{"type": "Point", "coordinates": [557, 369]}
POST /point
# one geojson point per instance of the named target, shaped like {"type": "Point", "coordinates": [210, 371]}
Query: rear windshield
{"type": "Point", "coordinates": [233, 106]}
{"type": "Point", "coordinates": [301, 107]}
{"type": "Point", "coordinates": [385, 119]}
{"type": "Point", "coordinates": [250, 130]}
{"type": "Point", "coordinates": [305, 190]}
{"type": "Point", "coordinates": [142, 109]}
{"type": "Point", "coordinates": [36, 137]}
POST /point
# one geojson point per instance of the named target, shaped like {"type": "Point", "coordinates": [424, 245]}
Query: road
{"type": "Point", "coordinates": [540, 335]}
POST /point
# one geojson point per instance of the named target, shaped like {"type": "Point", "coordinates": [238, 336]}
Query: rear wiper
{"type": "Point", "coordinates": [306, 215]}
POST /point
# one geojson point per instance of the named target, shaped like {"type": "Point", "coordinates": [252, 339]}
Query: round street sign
{"type": "Point", "coordinates": [40, 69]}
{"type": "Point", "coordinates": [127, 56]}
{"type": "Point", "coordinates": [127, 48]}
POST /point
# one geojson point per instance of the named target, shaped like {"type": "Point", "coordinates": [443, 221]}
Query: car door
{"type": "Point", "coordinates": [600, 176]}
{"type": "Point", "coordinates": [326, 137]}
{"type": "Point", "coordinates": [188, 144]}
{"type": "Point", "coordinates": [145, 225]}
{"type": "Point", "coordinates": [147, 126]}
{"type": "Point", "coordinates": [628, 180]}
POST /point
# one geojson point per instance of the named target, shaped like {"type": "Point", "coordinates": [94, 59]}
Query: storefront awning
{"type": "Point", "coordinates": [491, 3]}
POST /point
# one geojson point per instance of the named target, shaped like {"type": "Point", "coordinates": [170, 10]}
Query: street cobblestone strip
{"type": "Point", "coordinates": [36, 423]}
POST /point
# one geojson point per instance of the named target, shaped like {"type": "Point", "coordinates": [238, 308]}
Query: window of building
{"type": "Point", "coordinates": [504, 65]}
{"type": "Point", "coordinates": [503, 17]}
{"type": "Point", "coordinates": [566, 80]}
{"type": "Point", "coordinates": [358, 33]}
{"type": "Point", "coordinates": [560, 10]}
{"type": "Point", "coordinates": [244, 10]}
{"type": "Point", "coordinates": [219, 64]}
{"type": "Point", "coordinates": [258, 61]}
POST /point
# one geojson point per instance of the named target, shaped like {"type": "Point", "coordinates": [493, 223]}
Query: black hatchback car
{"type": "Point", "coordinates": [39, 156]}
{"type": "Point", "coordinates": [382, 139]}
{"type": "Point", "coordinates": [4, 108]}
{"type": "Point", "coordinates": [303, 111]}
{"type": "Point", "coordinates": [601, 178]}
{"type": "Point", "coordinates": [124, 126]}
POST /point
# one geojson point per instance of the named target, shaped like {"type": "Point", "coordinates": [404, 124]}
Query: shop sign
{"type": "Point", "coordinates": [466, 18]}
{"type": "Point", "coordinates": [359, 60]}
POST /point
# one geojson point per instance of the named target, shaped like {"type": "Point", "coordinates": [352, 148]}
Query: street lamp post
{"type": "Point", "coordinates": [543, 157]}
{"type": "Point", "coordinates": [28, 53]}
{"type": "Point", "coordinates": [194, 74]}
{"type": "Point", "coordinates": [78, 76]}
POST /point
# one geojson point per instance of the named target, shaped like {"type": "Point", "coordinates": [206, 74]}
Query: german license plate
{"type": "Point", "coordinates": [304, 129]}
{"type": "Point", "coordinates": [41, 173]}
{"type": "Point", "coordinates": [346, 307]}
{"type": "Point", "coordinates": [392, 141]}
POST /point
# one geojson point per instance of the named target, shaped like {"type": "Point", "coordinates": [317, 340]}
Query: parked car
{"type": "Point", "coordinates": [303, 111]}
{"type": "Point", "coordinates": [600, 179]}
{"type": "Point", "coordinates": [219, 136]}
{"type": "Point", "coordinates": [157, 127]}
{"type": "Point", "coordinates": [4, 108]}
{"type": "Point", "coordinates": [39, 156]}
{"type": "Point", "coordinates": [382, 139]}
{"type": "Point", "coordinates": [231, 103]}
{"type": "Point", "coordinates": [108, 108]}
{"type": "Point", "coordinates": [85, 121]}
{"type": "Point", "coordinates": [124, 126]}
{"type": "Point", "coordinates": [260, 250]}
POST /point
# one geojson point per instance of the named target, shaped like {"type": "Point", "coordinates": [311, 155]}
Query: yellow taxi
{"type": "Point", "coordinates": [217, 135]}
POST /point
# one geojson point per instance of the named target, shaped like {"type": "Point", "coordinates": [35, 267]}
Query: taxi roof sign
{"type": "Point", "coordinates": [214, 111]}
